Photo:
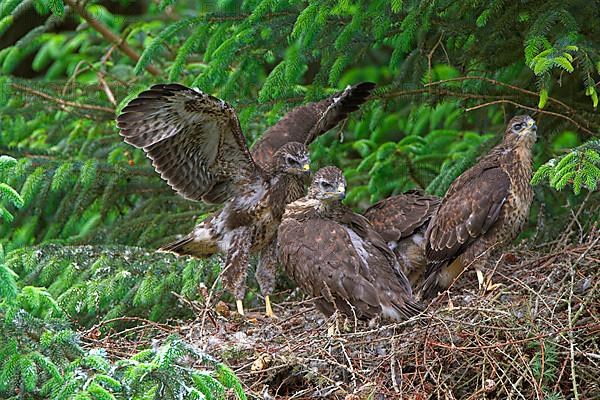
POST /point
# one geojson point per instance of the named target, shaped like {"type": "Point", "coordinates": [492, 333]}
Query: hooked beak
{"type": "Point", "coordinates": [341, 191]}
{"type": "Point", "coordinates": [531, 130]}
{"type": "Point", "coordinates": [531, 124]}
{"type": "Point", "coordinates": [306, 169]}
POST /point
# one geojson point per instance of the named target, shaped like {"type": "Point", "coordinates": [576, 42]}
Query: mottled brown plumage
{"type": "Point", "coordinates": [196, 144]}
{"type": "Point", "coordinates": [485, 208]}
{"type": "Point", "coordinates": [335, 255]}
{"type": "Point", "coordinates": [402, 221]}
{"type": "Point", "coordinates": [305, 123]}
{"type": "Point", "coordinates": [302, 124]}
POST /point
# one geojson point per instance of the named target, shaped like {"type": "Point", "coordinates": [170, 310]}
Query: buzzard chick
{"type": "Point", "coordinates": [206, 158]}
{"type": "Point", "coordinates": [196, 144]}
{"type": "Point", "coordinates": [303, 124]}
{"type": "Point", "coordinates": [402, 221]}
{"type": "Point", "coordinates": [485, 208]}
{"type": "Point", "coordinates": [335, 254]}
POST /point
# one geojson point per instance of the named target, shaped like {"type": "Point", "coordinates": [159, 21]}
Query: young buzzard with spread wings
{"type": "Point", "coordinates": [196, 144]}
{"type": "Point", "coordinates": [485, 208]}
{"type": "Point", "coordinates": [335, 255]}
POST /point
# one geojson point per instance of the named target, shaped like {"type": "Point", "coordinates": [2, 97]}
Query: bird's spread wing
{"type": "Point", "coordinates": [194, 140]}
{"type": "Point", "coordinates": [467, 213]}
{"type": "Point", "coordinates": [399, 216]}
{"type": "Point", "coordinates": [305, 123]}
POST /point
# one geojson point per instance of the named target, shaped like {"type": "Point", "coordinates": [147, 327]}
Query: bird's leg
{"type": "Point", "coordinates": [240, 306]}
{"type": "Point", "coordinates": [266, 273]}
{"type": "Point", "coordinates": [489, 285]}
{"type": "Point", "coordinates": [236, 265]}
{"type": "Point", "coordinates": [268, 309]}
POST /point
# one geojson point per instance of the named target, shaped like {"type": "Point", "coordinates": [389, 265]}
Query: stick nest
{"type": "Point", "coordinates": [533, 336]}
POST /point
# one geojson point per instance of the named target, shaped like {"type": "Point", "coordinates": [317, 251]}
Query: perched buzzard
{"type": "Point", "coordinates": [484, 208]}
{"type": "Point", "coordinates": [196, 144]}
{"type": "Point", "coordinates": [302, 124]}
{"type": "Point", "coordinates": [335, 254]}
{"type": "Point", "coordinates": [402, 221]}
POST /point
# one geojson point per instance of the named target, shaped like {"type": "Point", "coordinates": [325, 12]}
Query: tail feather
{"type": "Point", "coordinates": [430, 287]}
{"type": "Point", "coordinates": [410, 309]}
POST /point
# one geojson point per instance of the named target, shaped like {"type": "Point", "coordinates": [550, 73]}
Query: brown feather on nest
{"type": "Point", "coordinates": [335, 254]}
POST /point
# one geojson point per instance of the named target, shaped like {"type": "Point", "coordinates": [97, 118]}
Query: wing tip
{"type": "Point", "coordinates": [177, 247]}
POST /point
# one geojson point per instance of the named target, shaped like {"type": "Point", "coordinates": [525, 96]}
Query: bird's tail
{"type": "Point", "coordinates": [401, 309]}
{"type": "Point", "coordinates": [431, 285]}
{"type": "Point", "coordinates": [410, 308]}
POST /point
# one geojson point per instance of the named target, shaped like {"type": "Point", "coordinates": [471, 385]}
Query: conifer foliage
{"type": "Point", "coordinates": [82, 213]}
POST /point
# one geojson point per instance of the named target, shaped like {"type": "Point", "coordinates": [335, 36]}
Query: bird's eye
{"type": "Point", "coordinates": [327, 186]}
{"type": "Point", "coordinates": [292, 161]}
{"type": "Point", "coordinates": [517, 127]}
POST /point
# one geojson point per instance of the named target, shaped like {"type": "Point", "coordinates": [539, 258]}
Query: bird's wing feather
{"type": "Point", "coordinates": [467, 213]}
{"type": "Point", "coordinates": [193, 139]}
{"type": "Point", "coordinates": [305, 123]}
{"type": "Point", "coordinates": [348, 259]}
{"type": "Point", "coordinates": [399, 216]}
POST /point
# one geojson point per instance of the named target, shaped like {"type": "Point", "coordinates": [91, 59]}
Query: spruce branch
{"type": "Point", "coordinates": [64, 103]}
{"type": "Point", "coordinates": [109, 35]}
{"type": "Point", "coordinates": [537, 110]}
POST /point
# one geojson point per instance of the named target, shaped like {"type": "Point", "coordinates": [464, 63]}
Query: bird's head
{"type": "Point", "coordinates": [521, 128]}
{"type": "Point", "coordinates": [292, 158]}
{"type": "Point", "coordinates": [328, 185]}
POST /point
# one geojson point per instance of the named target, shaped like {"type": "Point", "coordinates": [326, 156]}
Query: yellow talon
{"type": "Point", "coordinates": [480, 279]}
{"type": "Point", "coordinates": [240, 307]}
{"type": "Point", "coordinates": [330, 330]}
{"type": "Point", "coordinates": [269, 310]}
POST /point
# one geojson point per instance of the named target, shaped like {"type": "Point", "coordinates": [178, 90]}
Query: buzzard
{"type": "Point", "coordinates": [402, 221]}
{"type": "Point", "coordinates": [302, 124]}
{"type": "Point", "coordinates": [196, 144]}
{"type": "Point", "coordinates": [335, 255]}
{"type": "Point", "coordinates": [484, 208]}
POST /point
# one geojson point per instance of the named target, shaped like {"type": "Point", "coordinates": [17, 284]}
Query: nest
{"type": "Point", "coordinates": [534, 335]}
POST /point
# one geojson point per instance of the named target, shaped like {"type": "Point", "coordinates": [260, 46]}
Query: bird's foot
{"type": "Point", "coordinates": [333, 325]}
{"type": "Point", "coordinates": [240, 307]}
{"type": "Point", "coordinates": [480, 279]}
{"type": "Point", "coordinates": [268, 308]}
{"type": "Point", "coordinates": [485, 282]}
{"type": "Point", "coordinates": [330, 330]}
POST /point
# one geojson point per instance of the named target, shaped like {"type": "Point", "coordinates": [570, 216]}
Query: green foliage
{"type": "Point", "coordinates": [41, 356]}
{"type": "Point", "coordinates": [104, 282]}
{"type": "Point", "coordinates": [8, 195]}
{"type": "Point", "coordinates": [87, 211]}
{"type": "Point", "coordinates": [545, 366]}
{"type": "Point", "coordinates": [579, 168]}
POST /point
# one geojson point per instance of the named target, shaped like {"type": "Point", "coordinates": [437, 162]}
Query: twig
{"type": "Point", "coordinates": [498, 83]}
{"type": "Point", "coordinates": [109, 35]}
{"type": "Point", "coordinates": [571, 343]}
{"type": "Point", "coordinates": [62, 102]}
{"type": "Point", "coordinates": [538, 110]}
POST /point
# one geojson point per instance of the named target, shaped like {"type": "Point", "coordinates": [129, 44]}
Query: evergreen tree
{"type": "Point", "coordinates": [82, 212]}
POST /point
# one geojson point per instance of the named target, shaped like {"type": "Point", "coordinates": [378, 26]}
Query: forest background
{"type": "Point", "coordinates": [82, 212]}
